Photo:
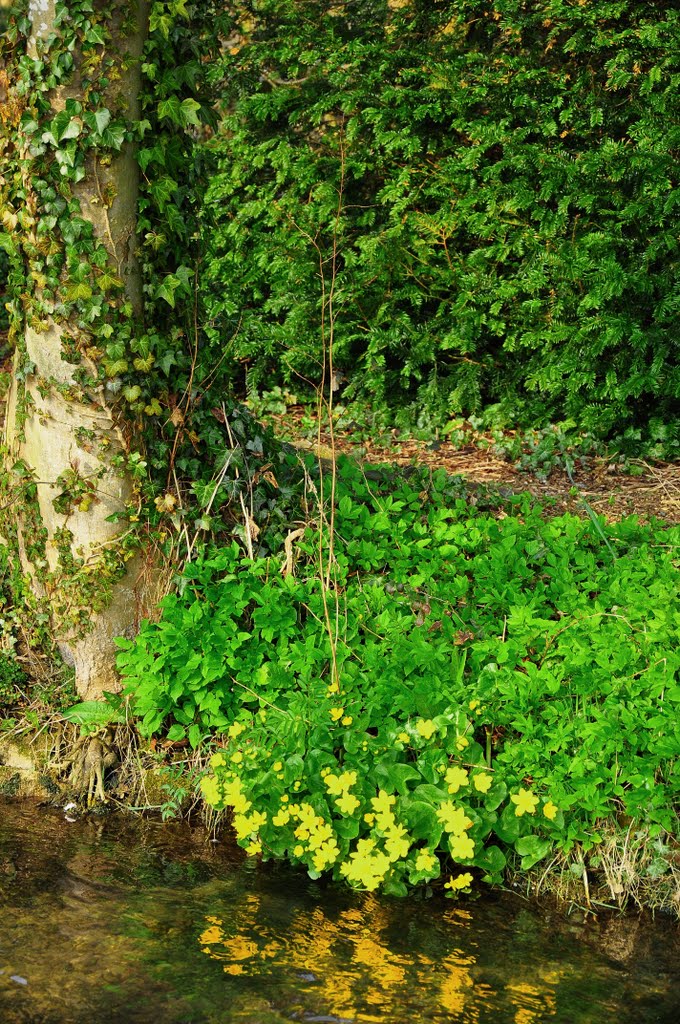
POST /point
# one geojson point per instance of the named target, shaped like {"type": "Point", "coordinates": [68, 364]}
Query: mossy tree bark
{"type": "Point", "coordinates": [66, 433]}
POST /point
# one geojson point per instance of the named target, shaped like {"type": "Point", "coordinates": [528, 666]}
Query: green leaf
{"type": "Point", "coordinates": [491, 860]}
{"type": "Point", "coordinates": [532, 849]}
{"type": "Point", "coordinates": [293, 769]}
{"type": "Point", "coordinates": [395, 777]}
{"type": "Point", "coordinates": [496, 795]}
{"type": "Point", "coordinates": [189, 112]}
{"type": "Point", "coordinates": [102, 119]}
{"type": "Point", "coordinates": [78, 292]}
{"type": "Point", "coordinates": [94, 714]}
{"type": "Point", "coordinates": [72, 130]}
{"type": "Point", "coordinates": [171, 110]}
{"type": "Point", "coordinates": [422, 821]}
{"type": "Point", "coordinates": [509, 826]}
{"type": "Point", "coordinates": [176, 732]}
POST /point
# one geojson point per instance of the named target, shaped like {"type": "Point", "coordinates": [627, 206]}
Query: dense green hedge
{"type": "Point", "coordinates": [499, 183]}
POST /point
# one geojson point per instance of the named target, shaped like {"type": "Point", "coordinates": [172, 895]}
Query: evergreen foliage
{"type": "Point", "coordinates": [491, 188]}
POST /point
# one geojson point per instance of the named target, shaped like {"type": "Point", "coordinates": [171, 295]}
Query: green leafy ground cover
{"type": "Point", "coordinates": [473, 684]}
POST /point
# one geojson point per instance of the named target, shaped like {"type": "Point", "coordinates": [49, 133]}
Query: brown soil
{"type": "Point", "coordinates": [607, 488]}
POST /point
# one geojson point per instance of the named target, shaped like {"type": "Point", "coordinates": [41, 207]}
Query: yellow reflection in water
{"type": "Point", "coordinates": [360, 977]}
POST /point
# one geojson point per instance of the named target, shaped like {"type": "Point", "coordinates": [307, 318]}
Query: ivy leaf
{"type": "Point", "coordinates": [102, 119]}
{"type": "Point", "coordinates": [79, 292]}
{"type": "Point", "coordinates": [114, 136]}
{"type": "Point", "coordinates": [171, 109]}
{"type": "Point", "coordinates": [95, 36]}
{"type": "Point", "coordinates": [109, 280]}
{"type": "Point", "coordinates": [167, 361]}
{"type": "Point", "coordinates": [189, 112]}
{"type": "Point", "coordinates": [160, 21]}
{"type": "Point", "coordinates": [72, 130]}
{"type": "Point", "coordinates": [167, 288]}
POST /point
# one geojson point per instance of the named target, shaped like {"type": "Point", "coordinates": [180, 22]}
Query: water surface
{"type": "Point", "coordinates": [113, 920]}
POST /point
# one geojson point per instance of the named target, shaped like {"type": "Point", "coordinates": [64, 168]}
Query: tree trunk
{"type": "Point", "coordinates": [64, 433]}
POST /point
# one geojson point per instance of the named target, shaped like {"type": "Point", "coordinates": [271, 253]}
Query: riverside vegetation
{"type": "Point", "coordinates": [472, 213]}
{"type": "Point", "coordinates": [458, 686]}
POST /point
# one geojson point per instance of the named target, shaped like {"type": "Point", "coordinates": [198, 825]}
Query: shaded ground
{"type": "Point", "coordinates": [609, 489]}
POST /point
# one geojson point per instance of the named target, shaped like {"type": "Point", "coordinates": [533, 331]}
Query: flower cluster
{"type": "Point", "coordinates": [422, 801]}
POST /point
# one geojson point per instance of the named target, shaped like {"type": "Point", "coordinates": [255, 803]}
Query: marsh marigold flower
{"type": "Point", "coordinates": [482, 782]}
{"type": "Point", "coordinates": [461, 847]}
{"type": "Point", "coordinates": [550, 810]}
{"type": "Point", "coordinates": [455, 778]}
{"type": "Point", "coordinates": [426, 728]}
{"type": "Point", "coordinates": [425, 861]}
{"type": "Point", "coordinates": [525, 801]}
{"type": "Point", "coordinates": [454, 819]}
{"type": "Point", "coordinates": [347, 803]}
{"type": "Point", "coordinates": [463, 881]}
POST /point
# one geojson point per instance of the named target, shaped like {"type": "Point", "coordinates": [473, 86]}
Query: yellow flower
{"type": "Point", "coordinates": [456, 777]}
{"type": "Point", "coordinates": [369, 818]}
{"type": "Point", "coordinates": [337, 713]}
{"type": "Point", "coordinates": [254, 848]}
{"type": "Point", "coordinates": [454, 819]}
{"type": "Point", "coordinates": [425, 860]}
{"type": "Point", "coordinates": [237, 757]}
{"type": "Point", "coordinates": [282, 817]}
{"type": "Point", "coordinates": [348, 779]}
{"type": "Point", "coordinates": [333, 784]}
{"type": "Point", "coordinates": [461, 847]}
{"type": "Point", "coordinates": [550, 810]}
{"type": "Point", "coordinates": [284, 798]}
{"type": "Point", "coordinates": [236, 729]}
{"type": "Point", "coordinates": [366, 866]}
{"type": "Point", "coordinates": [247, 825]}
{"type": "Point", "coordinates": [463, 881]}
{"type": "Point", "coordinates": [426, 728]}
{"type": "Point", "coordinates": [403, 737]}
{"type": "Point", "coordinates": [298, 851]}
{"type": "Point", "coordinates": [525, 801]}
{"type": "Point", "coordinates": [277, 766]}
{"type": "Point", "coordinates": [462, 742]}
{"type": "Point", "coordinates": [473, 704]}
{"type": "Point", "coordinates": [210, 789]}
{"type": "Point", "coordinates": [347, 803]}
{"type": "Point", "coordinates": [383, 803]}
{"type": "Point", "coordinates": [321, 834]}
{"type": "Point", "coordinates": [397, 843]}
{"type": "Point", "coordinates": [218, 759]}
{"type": "Point", "coordinates": [482, 782]}
{"type": "Point", "coordinates": [347, 720]}
{"type": "Point", "coordinates": [240, 803]}
{"type": "Point", "coordinates": [326, 855]}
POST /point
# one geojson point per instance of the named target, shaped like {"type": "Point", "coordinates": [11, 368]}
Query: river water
{"type": "Point", "coordinates": [119, 921]}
